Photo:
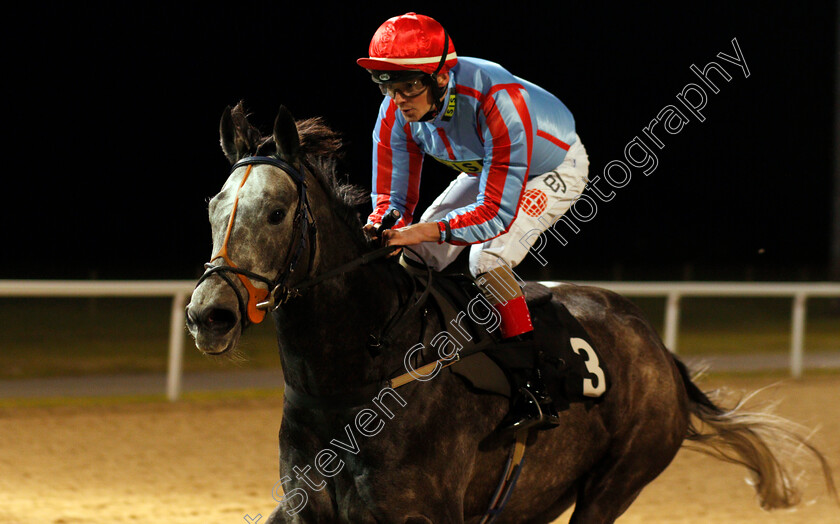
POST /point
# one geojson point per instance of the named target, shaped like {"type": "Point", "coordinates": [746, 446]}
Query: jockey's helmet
{"type": "Point", "coordinates": [406, 48]}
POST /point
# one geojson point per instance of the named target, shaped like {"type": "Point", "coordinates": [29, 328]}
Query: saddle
{"type": "Point", "coordinates": [559, 347]}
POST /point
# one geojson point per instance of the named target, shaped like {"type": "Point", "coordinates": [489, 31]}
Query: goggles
{"type": "Point", "coordinates": [408, 88]}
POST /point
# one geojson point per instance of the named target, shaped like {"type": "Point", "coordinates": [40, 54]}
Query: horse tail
{"type": "Point", "coordinates": [758, 440]}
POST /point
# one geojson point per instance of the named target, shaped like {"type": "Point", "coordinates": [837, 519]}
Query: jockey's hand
{"type": "Point", "coordinates": [371, 232]}
{"type": "Point", "coordinates": [411, 235]}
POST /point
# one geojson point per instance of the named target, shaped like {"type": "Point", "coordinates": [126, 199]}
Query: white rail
{"type": "Point", "coordinates": [674, 291]}
{"type": "Point", "coordinates": [179, 290]}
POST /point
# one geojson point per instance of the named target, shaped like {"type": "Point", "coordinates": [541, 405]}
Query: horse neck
{"type": "Point", "coordinates": [323, 334]}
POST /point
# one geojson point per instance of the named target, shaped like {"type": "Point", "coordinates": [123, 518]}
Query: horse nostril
{"type": "Point", "coordinates": [216, 320]}
{"type": "Point", "coordinates": [219, 321]}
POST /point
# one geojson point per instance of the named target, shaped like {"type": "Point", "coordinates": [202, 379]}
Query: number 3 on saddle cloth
{"type": "Point", "coordinates": [560, 348]}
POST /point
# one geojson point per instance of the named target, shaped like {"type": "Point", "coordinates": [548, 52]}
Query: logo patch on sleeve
{"type": "Point", "coordinates": [450, 108]}
{"type": "Point", "coordinates": [534, 202]}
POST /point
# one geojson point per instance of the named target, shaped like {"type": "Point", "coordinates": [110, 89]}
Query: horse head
{"type": "Point", "coordinates": [260, 222]}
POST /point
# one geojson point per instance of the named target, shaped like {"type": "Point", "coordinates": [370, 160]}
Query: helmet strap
{"type": "Point", "coordinates": [437, 91]}
{"type": "Point", "coordinates": [433, 112]}
{"type": "Point", "coordinates": [443, 55]}
{"type": "Point", "coordinates": [437, 100]}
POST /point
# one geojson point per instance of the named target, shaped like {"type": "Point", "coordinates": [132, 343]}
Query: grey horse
{"type": "Point", "coordinates": [423, 453]}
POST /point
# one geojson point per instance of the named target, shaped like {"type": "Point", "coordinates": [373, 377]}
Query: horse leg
{"type": "Point", "coordinates": [436, 509]}
{"type": "Point", "coordinates": [608, 490]}
{"type": "Point", "coordinates": [556, 508]}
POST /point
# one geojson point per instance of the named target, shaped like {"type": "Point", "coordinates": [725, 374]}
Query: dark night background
{"type": "Point", "coordinates": [112, 117]}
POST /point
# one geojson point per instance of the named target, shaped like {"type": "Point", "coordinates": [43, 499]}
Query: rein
{"type": "Point", "coordinates": [261, 300]}
{"type": "Point", "coordinates": [275, 301]}
{"type": "Point", "coordinates": [303, 235]}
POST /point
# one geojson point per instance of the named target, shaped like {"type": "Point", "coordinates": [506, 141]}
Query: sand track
{"type": "Point", "coordinates": [216, 461]}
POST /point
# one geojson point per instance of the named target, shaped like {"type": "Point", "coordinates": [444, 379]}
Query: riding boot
{"type": "Point", "coordinates": [532, 407]}
{"type": "Point", "coordinates": [501, 289]}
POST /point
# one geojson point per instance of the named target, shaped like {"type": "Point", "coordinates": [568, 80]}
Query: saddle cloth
{"type": "Point", "coordinates": [559, 347]}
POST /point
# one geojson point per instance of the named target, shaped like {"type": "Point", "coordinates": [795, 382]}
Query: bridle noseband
{"type": "Point", "coordinates": [279, 291]}
{"type": "Point", "coordinates": [303, 234]}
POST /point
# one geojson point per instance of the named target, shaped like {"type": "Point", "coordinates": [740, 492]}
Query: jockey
{"type": "Point", "coordinates": [520, 163]}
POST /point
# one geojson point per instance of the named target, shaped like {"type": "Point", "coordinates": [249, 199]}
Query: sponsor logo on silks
{"type": "Point", "coordinates": [450, 108]}
{"type": "Point", "coordinates": [554, 182]}
{"type": "Point", "coordinates": [533, 202]}
{"type": "Point", "coordinates": [462, 166]}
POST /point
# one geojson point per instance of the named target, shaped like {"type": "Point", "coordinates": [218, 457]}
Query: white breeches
{"type": "Point", "coordinates": [546, 197]}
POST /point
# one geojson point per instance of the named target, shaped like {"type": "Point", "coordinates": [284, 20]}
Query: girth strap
{"type": "Point", "coordinates": [361, 396]}
{"type": "Point", "coordinates": [508, 481]}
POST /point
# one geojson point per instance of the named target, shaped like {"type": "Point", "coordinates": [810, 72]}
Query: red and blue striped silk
{"type": "Point", "coordinates": [504, 129]}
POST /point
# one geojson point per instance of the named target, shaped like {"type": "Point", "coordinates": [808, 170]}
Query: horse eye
{"type": "Point", "coordinates": [276, 216]}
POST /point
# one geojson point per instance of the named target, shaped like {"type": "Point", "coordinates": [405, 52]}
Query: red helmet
{"type": "Point", "coordinates": [410, 42]}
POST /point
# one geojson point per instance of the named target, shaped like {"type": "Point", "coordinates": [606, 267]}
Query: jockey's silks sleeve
{"type": "Point", "coordinates": [508, 135]}
{"type": "Point", "coordinates": [397, 162]}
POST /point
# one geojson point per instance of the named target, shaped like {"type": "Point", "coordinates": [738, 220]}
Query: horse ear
{"type": "Point", "coordinates": [286, 137]}
{"type": "Point", "coordinates": [238, 137]}
{"type": "Point", "coordinates": [227, 136]}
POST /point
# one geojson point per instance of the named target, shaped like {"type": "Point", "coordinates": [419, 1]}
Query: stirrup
{"type": "Point", "coordinates": [543, 415]}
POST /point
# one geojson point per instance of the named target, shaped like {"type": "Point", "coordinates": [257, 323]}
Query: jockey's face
{"type": "Point", "coordinates": [413, 108]}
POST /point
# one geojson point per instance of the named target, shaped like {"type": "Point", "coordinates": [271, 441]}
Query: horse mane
{"type": "Point", "coordinates": [320, 149]}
